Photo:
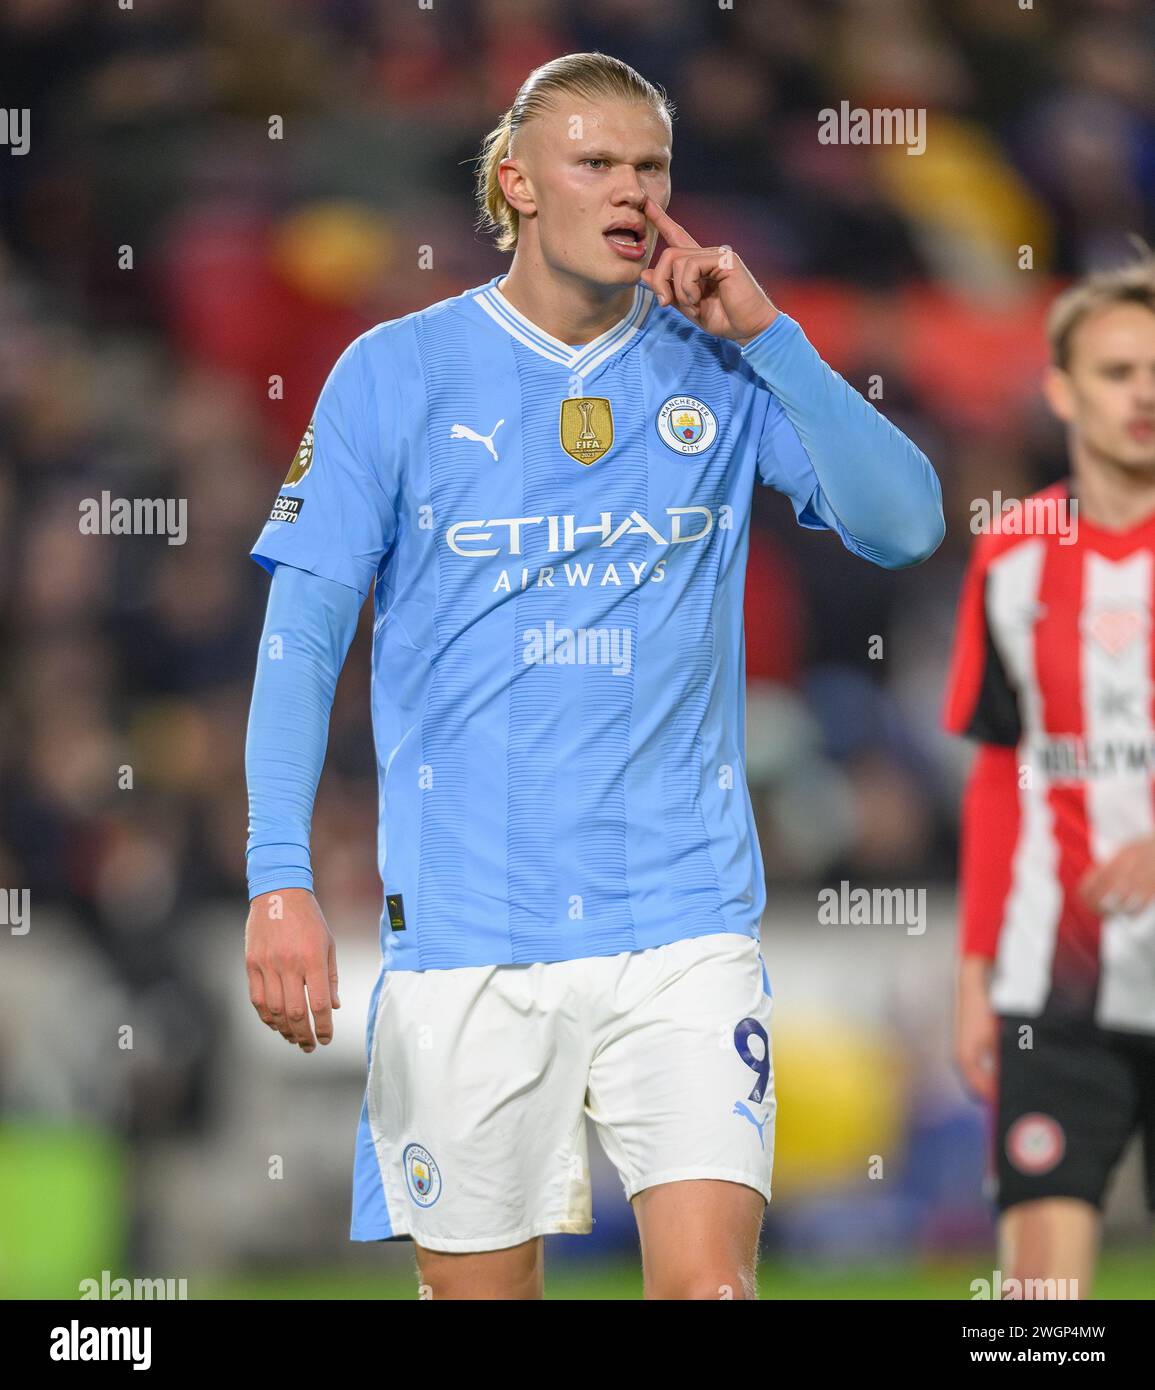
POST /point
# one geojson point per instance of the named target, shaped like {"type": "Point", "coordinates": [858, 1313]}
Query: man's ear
{"type": "Point", "coordinates": [1058, 390]}
{"type": "Point", "coordinates": [516, 186]}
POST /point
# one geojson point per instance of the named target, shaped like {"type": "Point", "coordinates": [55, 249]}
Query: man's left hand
{"type": "Point", "coordinates": [1125, 882]}
{"type": "Point", "coordinates": [709, 284]}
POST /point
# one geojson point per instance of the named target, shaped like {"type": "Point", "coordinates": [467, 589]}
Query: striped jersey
{"type": "Point", "coordinates": [1052, 672]}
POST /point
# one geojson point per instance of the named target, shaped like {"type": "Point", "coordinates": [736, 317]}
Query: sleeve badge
{"type": "Point", "coordinates": [302, 460]}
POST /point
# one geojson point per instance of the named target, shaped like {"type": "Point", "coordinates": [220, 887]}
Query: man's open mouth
{"type": "Point", "coordinates": [629, 242]}
{"type": "Point", "coordinates": [627, 236]}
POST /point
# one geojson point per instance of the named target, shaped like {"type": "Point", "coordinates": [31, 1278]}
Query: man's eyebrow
{"type": "Point", "coordinates": [658, 156]}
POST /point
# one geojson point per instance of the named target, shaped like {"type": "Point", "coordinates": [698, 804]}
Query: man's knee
{"type": "Point", "coordinates": [722, 1284]}
{"type": "Point", "coordinates": [514, 1273]}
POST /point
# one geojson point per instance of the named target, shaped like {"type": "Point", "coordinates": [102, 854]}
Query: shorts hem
{"type": "Point", "coordinates": [1016, 1199]}
{"type": "Point", "coordinates": [747, 1179]}
{"type": "Point", "coordinates": [482, 1244]}
{"type": "Point", "coordinates": [375, 1238]}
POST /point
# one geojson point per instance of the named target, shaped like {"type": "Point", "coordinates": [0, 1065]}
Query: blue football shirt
{"type": "Point", "coordinates": [558, 536]}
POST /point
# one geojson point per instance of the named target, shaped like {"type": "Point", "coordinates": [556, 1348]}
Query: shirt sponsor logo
{"type": "Point", "coordinates": [1074, 758]}
{"type": "Point", "coordinates": [470, 538]}
{"type": "Point", "coordinates": [287, 509]}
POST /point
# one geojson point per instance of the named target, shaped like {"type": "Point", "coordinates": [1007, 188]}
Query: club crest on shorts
{"type": "Point", "coordinates": [1035, 1144]}
{"type": "Point", "coordinates": [302, 460]}
{"type": "Point", "coordinates": [687, 425]}
{"type": "Point", "coordinates": [586, 427]}
{"type": "Point", "coordinates": [422, 1175]}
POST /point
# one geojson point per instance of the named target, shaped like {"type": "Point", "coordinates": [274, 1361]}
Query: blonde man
{"type": "Point", "coordinates": [549, 477]}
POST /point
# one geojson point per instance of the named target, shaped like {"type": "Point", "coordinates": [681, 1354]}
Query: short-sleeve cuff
{"type": "Point", "coordinates": [340, 569]}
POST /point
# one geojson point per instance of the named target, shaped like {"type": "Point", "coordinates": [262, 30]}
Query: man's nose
{"type": "Point", "coordinates": [630, 189]}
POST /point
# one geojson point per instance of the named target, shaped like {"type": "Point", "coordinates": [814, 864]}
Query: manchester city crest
{"type": "Point", "coordinates": [422, 1175]}
{"type": "Point", "coordinates": [687, 425]}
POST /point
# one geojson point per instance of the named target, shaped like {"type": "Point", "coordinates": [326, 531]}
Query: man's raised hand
{"type": "Point", "coordinates": [709, 284]}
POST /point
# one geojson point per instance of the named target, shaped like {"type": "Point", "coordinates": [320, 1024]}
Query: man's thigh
{"type": "Point", "coordinates": [682, 1083]}
{"type": "Point", "coordinates": [682, 1093]}
{"type": "Point", "coordinates": [474, 1108]}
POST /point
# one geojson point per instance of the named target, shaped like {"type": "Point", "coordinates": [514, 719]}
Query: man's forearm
{"type": "Point", "coordinates": [309, 625]}
{"type": "Point", "coordinates": [974, 974]}
{"type": "Point", "coordinates": [988, 833]}
{"type": "Point", "coordinates": [875, 482]}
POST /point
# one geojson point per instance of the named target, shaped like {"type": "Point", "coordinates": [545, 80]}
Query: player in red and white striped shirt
{"type": "Point", "coordinates": [1054, 674]}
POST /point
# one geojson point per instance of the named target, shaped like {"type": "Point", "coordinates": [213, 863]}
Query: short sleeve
{"type": "Point", "coordinates": [333, 515]}
{"type": "Point", "coordinates": [981, 701]}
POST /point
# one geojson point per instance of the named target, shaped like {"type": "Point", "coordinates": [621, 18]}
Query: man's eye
{"type": "Point", "coordinates": [593, 161]}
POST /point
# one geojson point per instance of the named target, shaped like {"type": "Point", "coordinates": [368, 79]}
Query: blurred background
{"type": "Point", "coordinates": [163, 260]}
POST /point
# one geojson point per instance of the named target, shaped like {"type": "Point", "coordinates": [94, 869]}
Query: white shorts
{"type": "Point", "coordinates": [473, 1131]}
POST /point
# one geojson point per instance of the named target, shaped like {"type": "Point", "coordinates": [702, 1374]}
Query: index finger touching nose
{"type": "Point", "coordinates": [674, 234]}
